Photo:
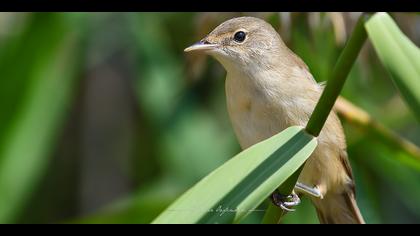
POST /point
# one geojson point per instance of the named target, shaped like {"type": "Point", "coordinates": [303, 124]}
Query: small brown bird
{"type": "Point", "coordinates": [268, 89]}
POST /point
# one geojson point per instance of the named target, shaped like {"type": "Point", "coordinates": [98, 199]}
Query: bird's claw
{"type": "Point", "coordinates": [285, 202]}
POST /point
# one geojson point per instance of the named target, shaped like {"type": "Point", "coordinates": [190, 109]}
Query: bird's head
{"type": "Point", "coordinates": [242, 42]}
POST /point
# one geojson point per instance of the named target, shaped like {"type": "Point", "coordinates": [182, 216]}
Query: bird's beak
{"type": "Point", "coordinates": [201, 46]}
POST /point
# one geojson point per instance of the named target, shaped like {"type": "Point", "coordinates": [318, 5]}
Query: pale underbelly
{"type": "Point", "coordinates": [253, 127]}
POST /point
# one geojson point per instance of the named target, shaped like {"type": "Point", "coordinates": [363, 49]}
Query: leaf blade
{"type": "Point", "coordinates": [259, 170]}
{"type": "Point", "coordinates": [399, 56]}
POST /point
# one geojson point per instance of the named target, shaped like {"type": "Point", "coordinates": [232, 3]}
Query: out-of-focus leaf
{"type": "Point", "coordinates": [399, 55]}
{"type": "Point", "coordinates": [232, 191]}
{"type": "Point", "coordinates": [367, 195]}
{"type": "Point", "coordinates": [140, 208]}
{"type": "Point", "coordinates": [389, 173]}
{"type": "Point", "coordinates": [160, 79]}
{"type": "Point", "coordinates": [38, 77]}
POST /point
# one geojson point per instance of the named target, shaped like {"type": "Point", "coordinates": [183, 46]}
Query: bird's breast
{"type": "Point", "coordinates": [255, 115]}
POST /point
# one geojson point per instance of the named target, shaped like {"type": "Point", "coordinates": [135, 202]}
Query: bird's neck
{"type": "Point", "coordinates": [280, 85]}
{"type": "Point", "coordinates": [250, 85]}
{"type": "Point", "coordinates": [254, 79]}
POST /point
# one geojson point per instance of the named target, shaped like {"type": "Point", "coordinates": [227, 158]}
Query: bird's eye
{"type": "Point", "coordinates": [239, 36]}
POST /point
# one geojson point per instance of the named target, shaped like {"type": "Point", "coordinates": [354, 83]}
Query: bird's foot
{"type": "Point", "coordinates": [285, 202]}
{"type": "Point", "coordinates": [312, 191]}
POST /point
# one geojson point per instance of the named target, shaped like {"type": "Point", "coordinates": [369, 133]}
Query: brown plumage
{"type": "Point", "coordinates": [269, 88]}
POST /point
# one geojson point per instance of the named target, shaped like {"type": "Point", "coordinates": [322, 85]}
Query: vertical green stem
{"type": "Point", "coordinates": [338, 77]}
{"type": "Point", "coordinates": [272, 215]}
{"type": "Point", "coordinates": [325, 104]}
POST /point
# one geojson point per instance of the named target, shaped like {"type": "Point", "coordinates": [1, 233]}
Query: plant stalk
{"type": "Point", "coordinates": [338, 77]}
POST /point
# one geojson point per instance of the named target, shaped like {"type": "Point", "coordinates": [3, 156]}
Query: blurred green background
{"type": "Point", "coordinates": [104, 119]}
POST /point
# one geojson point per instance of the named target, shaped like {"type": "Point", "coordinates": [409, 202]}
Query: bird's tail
{"type": "Point", "coordinates": [338, 209]}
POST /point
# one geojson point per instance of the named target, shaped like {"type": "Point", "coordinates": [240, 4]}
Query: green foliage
{"type": "Point", "coordinates": [37, 83]}
{"type": "Point", "coordinates": [339, 75]}
{"type": "Point", "coordinates": [383, 179]}
{"type": "Point", "coordinates": [399, 55]}
{"type": "Point", "coordinates": [236, 188]}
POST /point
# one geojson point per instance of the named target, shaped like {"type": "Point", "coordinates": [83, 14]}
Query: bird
{"type": "Point", "coordinates": [268, 89]}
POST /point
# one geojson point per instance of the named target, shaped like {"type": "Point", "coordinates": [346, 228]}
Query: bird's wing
{"type": "Point", "coordinates": [346, 164]}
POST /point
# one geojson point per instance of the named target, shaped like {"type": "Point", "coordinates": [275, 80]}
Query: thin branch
{"type": "Point", "coordinates": [358, 117]}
